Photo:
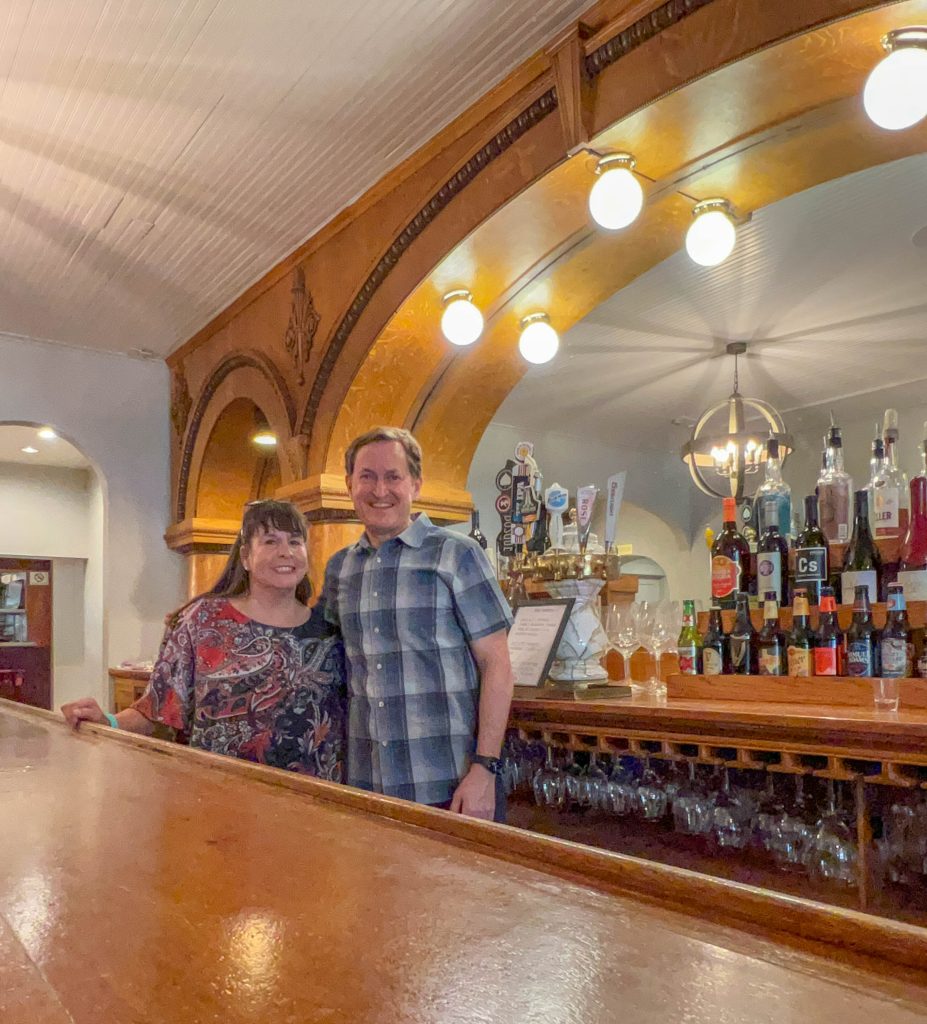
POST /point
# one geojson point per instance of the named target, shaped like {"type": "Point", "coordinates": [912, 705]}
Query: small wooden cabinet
{"type": "Point", "coordinates": [128, 685]}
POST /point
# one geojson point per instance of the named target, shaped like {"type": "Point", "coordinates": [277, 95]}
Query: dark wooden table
{"type": "Point", "coordinates": [148, 884]}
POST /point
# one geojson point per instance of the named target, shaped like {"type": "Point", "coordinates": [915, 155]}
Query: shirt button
{"type": "Point", "coordinates": [379, 665]}
{"type": "Point", "coordinates": [382, 705]}
{"type": "Point", "coordinates": [384, 743]}
{"type": "Point", "coordinates": [376, 629]}
{"type": "Point", "coordinates": [375, 594]}
{"type": "Point", "coordinates": [379, 560]}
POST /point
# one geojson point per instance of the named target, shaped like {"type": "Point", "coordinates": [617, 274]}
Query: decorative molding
{"type": "Point", "coordinates": [181, 402]}
{"type": "Point", "coordinates": [497, 145]}
{"type": "Point", "coordinates": [202, 535]}
{"type": "Point", "coordinates": [567, 58]}
{"type": "Point", "coordinates": [303, 325]}
{"type": "Point", "coordinates": [238, 361]}
{"type": "Point", "coordinates": [642, 31]}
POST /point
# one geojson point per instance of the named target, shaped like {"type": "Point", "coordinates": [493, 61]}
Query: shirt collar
{"type": "Point", "coordinates": [413, 536]}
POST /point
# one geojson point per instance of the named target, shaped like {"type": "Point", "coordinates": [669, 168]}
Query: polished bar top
{"type": "Point", "coordinates": [143, 885]}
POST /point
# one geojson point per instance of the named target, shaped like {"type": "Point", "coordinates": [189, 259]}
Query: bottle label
{"type": "Point", "coordinates": [740, 650]}
{"type": "Point", "coordinates": [922, 666]}
{"type": "Point", "coordinates": [725, 576]}
{"type": "Point", "coordinates": [860, 658]}
{"type": "Point", "coordinates": [885, 508]}
{"type": "Point", "coordinates": [770, 661]}
{"type": "Point", "coordinates": [895, 657]}
{"type": "Point", "coordinates": [867, 578]}
{"type": "Point", "coordinates": [825, 661]}
{"type": "Point", "coordinates": [914, 582]}
{"type": "Point", "coordinates": [835, 512]}
{"type": "Point", "coordinates": [801, 661]}
{"type": "Point", "coordinates": [810, 566]}
{"type": "Point", "coordinates": [712, 664]}
{"type": "Point", "coordinates": [769, 573]}
{"type": "Point", "coordinates": [688, 660]}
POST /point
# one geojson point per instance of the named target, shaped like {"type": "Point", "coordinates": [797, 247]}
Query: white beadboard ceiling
{"type": "Point", "coordinates": [158, 156]}
{"type": "Point", "coordinates": [828, 287]}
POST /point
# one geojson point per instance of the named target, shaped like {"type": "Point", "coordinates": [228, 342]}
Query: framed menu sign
{"type": "Point", "coordinates": [535, 636]}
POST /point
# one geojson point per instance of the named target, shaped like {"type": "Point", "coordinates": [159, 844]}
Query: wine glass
{"type": "Point", "coordinates": [693, 809]}
{"type": "Point", "coordinates": [549, 784]}
{"type": "Point", "coordinates": [593, 791]}
{"type": "Point", "coordinates": [651, 796]}
{"type": "Point", "coordinates": [621, 793]}
{"type": "Point", "coordinates": [644, 625]}
{"type": "Point", "coordinates": [667, 624]}
{"type": "Point", "coordinates": [622, 635]}
{"type": "Point", "coordinates": [733, 816]}
{"type": "Point", "coordinates": [833, 855]}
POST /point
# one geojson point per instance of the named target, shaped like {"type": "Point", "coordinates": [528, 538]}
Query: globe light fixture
{"type": "Point", "coordinates": [539, 341]}
{"type": "Point", "coordinates": [461, 322]}
{"type": "Point", "coordinates": [264, 439]}
{"type": "Point", "coordinates": [895, 95]}
{"type": "Point", "coordinates": [711, 235]}
{"type": "Point", "coordinates": [616, 199]}
{"type": "Point", "coordinates": [47, 434]}
{"type": "Point", "coordinates": [728, 442]}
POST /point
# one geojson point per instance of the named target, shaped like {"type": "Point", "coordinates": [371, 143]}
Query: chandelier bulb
{"type": "Point", "coordinates": [895, 95]}
{"type": "Point", "coordinates": [462, 322]}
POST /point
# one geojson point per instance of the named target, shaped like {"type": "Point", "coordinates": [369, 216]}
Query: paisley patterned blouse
{"type": "Point", "coordinates": [263, 693]}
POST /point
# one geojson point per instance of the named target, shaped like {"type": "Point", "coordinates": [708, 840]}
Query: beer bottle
{"type": "Point", "coordinates": [689, 646]}
{"type": "Point", "coordinates": [863, 640]}
{"type": "Point", "coordinates": [828, 643]}
{"type": "Point", "coordinates": [742, 640]}
{"type": "Point", "coordinates": [715, 656]}
{"type": "Point", "coordinates": [801, 639]}
{"type": "Point", "coordinates": [770, 641]}
{"type": "Point", "coordinates": [896, 646]}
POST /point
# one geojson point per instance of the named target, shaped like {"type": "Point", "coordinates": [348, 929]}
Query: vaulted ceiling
{"type": "Point", "coordinates": [157, 158]}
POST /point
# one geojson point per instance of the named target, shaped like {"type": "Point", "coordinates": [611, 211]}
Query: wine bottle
{"type": "Point", "coordinates": [834, 490]}
{"type": "Point", "coordinates": [913, 574]}
{"type": "Point", "coordinates": [773, 500]}
{"type": "Point", "coordinates": [801, 638]}
{"type": "Point", "coordinates": [811, 554]}
{"type": "Point", "coordinates": [730, 560]}
{"type": "Point", "coordinates": [896, 647]}
{"type": "Point", "coordinates": [862, 565]}
{"type": "Point", "coordinates": [475, 533]}
{"type": "Point", "coordinates": [863, 638]}
{"type": "Point", "coordinates": [715, 656]}
{"type": "Point", "coordinates": [772, 557]}
{"type": "Point", "coordinates": [742, 640]}
{"type": "Point", "coordinates": [689, 645]}
{"type": "Point", "coordinates": [770, 641]}
{"type": "Point", "coordinates": [828, 643]}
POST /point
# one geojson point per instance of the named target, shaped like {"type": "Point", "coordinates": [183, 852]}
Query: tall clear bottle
{"type": "Point", "coordinates": [892, 517]}
{"type": "Point", "coordinates": [835, 489]}
{"type": "Point", "coordinates": [876, 474]}
{"type": "Point", "coordinates": [773, 500]}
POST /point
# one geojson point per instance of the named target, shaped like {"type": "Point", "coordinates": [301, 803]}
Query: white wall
{"type": "Point", "coordinates": [115, 410]}
{"type": "Point", "coordinates": [46, 511]}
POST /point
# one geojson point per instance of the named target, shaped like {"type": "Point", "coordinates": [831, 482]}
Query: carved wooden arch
{"type": "Point", "coordinates": [242, 374]}
{"type": "Point", "coordinates": [645, 97]}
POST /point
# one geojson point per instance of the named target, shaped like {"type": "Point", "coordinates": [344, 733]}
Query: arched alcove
{"type": "Point", "coordinates": [53, 544]}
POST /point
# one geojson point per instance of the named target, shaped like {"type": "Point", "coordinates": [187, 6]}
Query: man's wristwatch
{"type": "Point", "coordinates": [491, 764]}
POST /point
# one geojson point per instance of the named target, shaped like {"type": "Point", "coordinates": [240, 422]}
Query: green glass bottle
{"type": "Point", "coordinates": [689, 647]}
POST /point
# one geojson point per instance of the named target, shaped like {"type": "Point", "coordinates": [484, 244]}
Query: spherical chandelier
{"type": "Point", "coordinates": [723, 450]}
{"type": "Point", "coordinates": [616, 199]}
{"type": "Point", "coordinates": [462, 321]}
{"type": "Point", "coordinates": [895, 96]}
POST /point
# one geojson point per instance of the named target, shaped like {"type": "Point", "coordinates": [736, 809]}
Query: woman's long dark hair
{"type": "Point", "coordinates": [260, 517]}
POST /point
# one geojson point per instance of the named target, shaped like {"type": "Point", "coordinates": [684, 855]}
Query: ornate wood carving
{"type": "Point", "coordinates": [304, 322]}
{"type": "Point", "coordinates": [480, 160]}
{"type": "Point", "coordinates": [643, 30]}
{"type": "Point", "coordinates": [567, 60]}
{"type": "Point", "coordinates": [235, 362]}
{"type": "Point", "coordinates": [181, 401]}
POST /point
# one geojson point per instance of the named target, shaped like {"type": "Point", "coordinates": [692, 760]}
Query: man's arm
{"type": "Point", "coordinates": [476, 794]}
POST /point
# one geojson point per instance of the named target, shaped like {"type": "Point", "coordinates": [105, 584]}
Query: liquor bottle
{"type": "Point", "coordinates": [876, 475]}
{"type": "Point", "coordinates": [742, 640]}
{"type": "Point", "coordinates": [730, 560]}
{"type": "Point", "coordinates": [923, 448]}
{"type": "Point", "coordinates": [896, 647]}
{"type": "Point", "coordinates": [913, 574]}
{"type": "Point", "coordinates": [828, 643]}
{"type": "Point", "coordinates": [811, 554]}
{"type": "Point", "coordinates": [773, 500]}
{"type": "Point", "coordinates": [689, 645]}
{"type": "Point", "coordinates": [863, 640]}
{"type": "Point", "coordinates": [770, 641]}
{"type": "Point", "coordinates": [862, 565]}
{"type": "Point", "coordinates": [895, 522]}
{"type": "Point", "coordinates": [801, 639]}
{"type": "Point", "coordinates": [834, 490]}
{"type": "Point", "coordinates": [772, 557]}
{"type": "Point", "coordinates": [475, 533]}
{"type": "Point", "coordinates": [715, 656]}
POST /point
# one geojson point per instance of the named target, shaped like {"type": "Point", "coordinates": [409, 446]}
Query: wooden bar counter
{"type": "Point", "coordinates": [146, 883]}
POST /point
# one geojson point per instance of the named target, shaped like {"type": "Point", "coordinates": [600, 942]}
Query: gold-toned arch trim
{"type": "Point", "coordinates": [238, 361]}
{"type": "Point", "coordinates": [635, 35]}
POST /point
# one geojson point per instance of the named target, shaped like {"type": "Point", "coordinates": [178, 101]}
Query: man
{"type": "Point", "coordinates": [424, 625]}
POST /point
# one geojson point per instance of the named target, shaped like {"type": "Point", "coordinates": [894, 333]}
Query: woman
{"type": "Point", "coordinates": [246, 669]}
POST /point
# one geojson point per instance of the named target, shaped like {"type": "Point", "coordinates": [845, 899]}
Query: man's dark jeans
{"type": "Point", "coordinates": [500, 802]}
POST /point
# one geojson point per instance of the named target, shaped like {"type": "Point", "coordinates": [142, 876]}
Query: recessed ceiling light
{"type": "Point", "coordinates": [29, 450]}
{"type": "Point", "coordinates": [264, 438]}
{"type": "Point", "coordinates": [47, 434]}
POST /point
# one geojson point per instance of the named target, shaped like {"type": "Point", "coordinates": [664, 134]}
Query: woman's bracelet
{"type": "Point", "coordinates": [112, 719]}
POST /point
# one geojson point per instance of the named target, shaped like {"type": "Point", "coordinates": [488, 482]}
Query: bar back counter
{"type": "Point", "coordinates": [145, 882]}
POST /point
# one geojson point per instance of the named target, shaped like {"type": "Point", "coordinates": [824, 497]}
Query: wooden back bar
{"type": "Point", "coordinates": [146, 882]}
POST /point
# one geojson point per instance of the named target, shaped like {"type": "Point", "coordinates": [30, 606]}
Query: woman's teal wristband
{"type": "Point", "coordinates": [112, 719]}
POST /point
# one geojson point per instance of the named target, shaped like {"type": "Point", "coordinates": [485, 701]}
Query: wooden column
{"type": "Point", "coordinates": [205, 544]}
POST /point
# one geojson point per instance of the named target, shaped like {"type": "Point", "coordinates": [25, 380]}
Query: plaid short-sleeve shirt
{"type": "Point", "coordinates": [408, 611]}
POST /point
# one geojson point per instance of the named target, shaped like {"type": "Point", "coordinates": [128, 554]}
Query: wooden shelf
{"type": "Point", "coordinates": [917, 614]}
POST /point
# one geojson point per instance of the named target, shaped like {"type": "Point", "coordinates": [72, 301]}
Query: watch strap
{"type": "Point", "coordinates": [492, 764]}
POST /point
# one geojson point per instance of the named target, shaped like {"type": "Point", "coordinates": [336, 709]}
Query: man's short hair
{"type": "Point", "coordinates": [410, 446]}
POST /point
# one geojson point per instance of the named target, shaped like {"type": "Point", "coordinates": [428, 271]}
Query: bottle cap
{"type": "Point", "coordinates": [772, 448]}
{"type": "Point", "coordinates": [729, 506]}
{"type": "Point", "coordinates": [890, 425]}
